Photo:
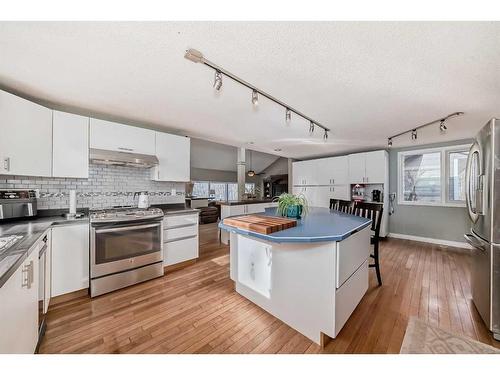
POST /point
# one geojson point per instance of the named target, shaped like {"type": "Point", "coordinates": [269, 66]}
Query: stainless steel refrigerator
{"type": "Point", "coordinates": [483, 204]}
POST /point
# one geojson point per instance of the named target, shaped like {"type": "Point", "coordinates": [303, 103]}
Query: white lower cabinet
{"type": "Point", "coordinates": [19, 308]}
{"type": "Point", "coordinates": [319, 196]}
{"type": "Point", "coordinates": [70, 258]}
{"type": "Point", "coordinates": [180, 238]}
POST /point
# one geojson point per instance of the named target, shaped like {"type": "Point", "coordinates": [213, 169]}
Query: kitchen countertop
{"type": "Point", "coordinates": [318, 225]}
{"type": "Point", "coordinates": [31, 230]}
{"type": "Point", "coordinates": [247, 201]}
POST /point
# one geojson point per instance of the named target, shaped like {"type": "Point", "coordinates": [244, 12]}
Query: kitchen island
{"type": "Point", "coordinates": [311, 276]}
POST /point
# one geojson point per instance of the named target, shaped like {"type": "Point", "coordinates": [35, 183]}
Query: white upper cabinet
{"type": "Point", "coordinates": [332, 171]}
{"type": "Point", "coordinates": [304, 172]}
{"type": "Point", "coordinates": [357, 168]}
{"type": "Point", "coordinates": [70, 145]}
{"type": "Point", "coordinates": [174, 156]}
{"type": "Point", "coordinates": [106, 135]}
{"type": "Point", "coordinates": [376, 162]}
{"type": "Point", "coordinates": [25, 137]}
{"type": "Point", "coordinates": [368, 167]}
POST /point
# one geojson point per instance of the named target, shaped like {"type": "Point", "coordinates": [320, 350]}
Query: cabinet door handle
{"type": "Point", "coordinates": [29, 279]}
{"type": "Point", "coordinates": [125, 149]}
{"type": "Point", "coordinates": [367, 179]}
{"type": "Point", "coordinates": [6, 164]}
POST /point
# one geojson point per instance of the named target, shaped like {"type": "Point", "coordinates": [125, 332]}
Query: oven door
{"type": "Point", "coordinates": [124, 247]}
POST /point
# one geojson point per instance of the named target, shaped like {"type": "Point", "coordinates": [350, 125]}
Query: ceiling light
{"type": "Point", "coordinates": [251, 173]}
{"type": "Point", "coordinates": [311, 127]}
{"type": "Point", "coordinates": [255, 98]}
{"type": "Point", "coordinates": [389, 142]}
{"type": "Point", "coordinates": [288, 116]}
{"type": "Point", "coordinates": [278, 149]}
{"type": "Point", "coordinates": [414, 134]}
{"type": "Point", "coordinates": [217, 80]}
{"type": "Point", "coordinates": [194, 55]}
{"type": "Point", "coordinates": [442, 126]}
{"type": "Point", "coordinates": [325, 136]}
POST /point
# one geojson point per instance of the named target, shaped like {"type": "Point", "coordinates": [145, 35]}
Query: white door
{"type": "Point", "coordinates": [107, 135]}
{"type": "Point", "coordinates": [357, 171]}
{"type": "Point", "coordinates": [311, 195]}
{"type": "Point", "coordinates": [19, 309]}
{"type": "Point", "coordinates": [70, 258]}
{"type": "Point", "coordinates": [324, 171]}
{"type": "Point", "coordinates": [70, 145]}
{"type": "Point", "coordinates": [174, 155]}
{"type": "Point", "coordinates": [375, 167]}
{"type": "Point", "coordinates": [342, 192]}
{"type": "Point", "coordinates": [25, 137]}
{"type": "Point", "coordinates": [339, 166]}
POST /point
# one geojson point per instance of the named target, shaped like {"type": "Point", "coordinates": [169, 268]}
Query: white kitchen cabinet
{"type": "Point", "coordinates": [368, 167]}
{"type": "Point", "coordinates": [304, 172]}
{"type": "Point", "coordinates": [180, 238]}
{"type": "Point", "coordinates": [332, 171]}
{"type": "Point", "coordinates": [357, 168]}
{"type": "Point", "coordinates": [107, 135]}
{"type": "Point", "coordinates": [70, 134]}
{"type": "Point", "coordinates": [376, 167]}
{"type": "Point", "coordinates": [174, 156]}
{"type": "Point", "coordinates": [319, 196]}
{"type": "Point", "coordinates": [19, 308]}
{"type": "Point", "coordinates": [70, 258]}
{"type": "Point", "coordinates": [25, 137]}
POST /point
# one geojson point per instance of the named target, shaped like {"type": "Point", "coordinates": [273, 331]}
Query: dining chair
{"type": "Point", "coordinates": [341, 205]}
{"type": "Point", "coordinates": [374, 212]}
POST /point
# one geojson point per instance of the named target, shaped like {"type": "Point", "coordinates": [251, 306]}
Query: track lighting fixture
{"type": "Point", "coordinates": [442, 126]}
{"type": "Point", "coordinates": [288, 116]}
{"type": "Point", "coordinates": [325, 136]}
{"type": "Point", "coordinates": [414, 134]}
{"type": "Point", "coordinates": [197, 57]}
{"type": "Point", "coordinates": [217, 80]}
{"type": "Point", "coordinates": [255, 98]}
{"type": "Point", "coordinates": [311, 128]}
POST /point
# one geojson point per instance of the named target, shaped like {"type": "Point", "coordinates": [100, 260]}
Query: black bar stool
{"type": "Point", "coordinates": [372, 211]}
{"type": "Point", "coordinates": [341, 205]}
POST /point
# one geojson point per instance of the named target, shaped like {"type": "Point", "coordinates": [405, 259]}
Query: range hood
{"type": "Point", "coordinates": [127, 159]}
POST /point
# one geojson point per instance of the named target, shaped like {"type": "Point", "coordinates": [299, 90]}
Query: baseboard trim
{"type": "Point", "coordinates": [463, 245]}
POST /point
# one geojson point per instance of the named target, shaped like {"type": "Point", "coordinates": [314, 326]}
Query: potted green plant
{"type": "Point", "coordinates": [290, 205]}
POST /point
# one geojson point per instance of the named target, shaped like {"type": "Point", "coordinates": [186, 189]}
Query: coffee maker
{"type": "Point", "coordinates": [376, 196]}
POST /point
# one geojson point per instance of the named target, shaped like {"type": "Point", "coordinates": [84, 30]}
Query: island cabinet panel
{"type": "Point", "coordinates": [348, 296]}
{"type": "Point", "coordinates": [254, 265]}
{"type": "Point", "coordinates": [351, 253]}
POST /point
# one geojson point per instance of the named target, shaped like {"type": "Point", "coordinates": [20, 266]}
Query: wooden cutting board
{"type": "Point", "coordinates": [261, 223]}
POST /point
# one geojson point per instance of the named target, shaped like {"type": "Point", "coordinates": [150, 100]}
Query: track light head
{"type": "Point", "coordinates": [325, 136]}
{"type": "Point", "coordinates": [288, 116]}
{"type": "Point", "coordinates": [194, 55]}
{"type": "Point", "coordinates": [255, 98]}
{"type": "Point", "coordinates": [311, 127]}
{"type": "Point", "coordinates": [389, 142]}
{"type": "Point", "coordinates": [218, 80]}
{"type": "Point", "coordinates": [442, 126]}
{"type": "Point", "coordinates": [414, 134]}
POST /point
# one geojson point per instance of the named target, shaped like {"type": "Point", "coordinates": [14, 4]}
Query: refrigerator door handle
{"type": "Point", "coordinates": [473, 213]}
{"type": "Point", "coordinates": [475, 242]}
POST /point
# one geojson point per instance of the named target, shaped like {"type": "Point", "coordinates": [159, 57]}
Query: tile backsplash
{"type": "Point", "coordinates": [106, 186]}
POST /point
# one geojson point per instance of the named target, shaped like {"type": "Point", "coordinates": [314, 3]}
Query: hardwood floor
{"type": "Point", "coordinates": [196, 310]}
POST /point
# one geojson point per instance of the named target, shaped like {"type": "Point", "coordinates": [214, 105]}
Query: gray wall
{"type": "Point", "coordinates": [445, 223]}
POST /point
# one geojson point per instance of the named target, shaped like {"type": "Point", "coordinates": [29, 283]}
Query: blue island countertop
{"type": "Point", "coordinates": [318, 225]}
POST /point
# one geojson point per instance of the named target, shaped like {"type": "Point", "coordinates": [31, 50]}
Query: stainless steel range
{"type": "Point", "coordinates": [125, 248]}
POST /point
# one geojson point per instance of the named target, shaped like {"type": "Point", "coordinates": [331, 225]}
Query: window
{"type": "Point", "coordinates": [220, 190]}
{"type": "Point", "coordinates": [200, 189]}
{"type": "Point", "coordinates": [433, 176]}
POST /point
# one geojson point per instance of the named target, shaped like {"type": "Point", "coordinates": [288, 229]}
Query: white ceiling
{"type": "Point", "coordinates": [210, 155]}
{"type": "Point", "coordinates": [364, 80]}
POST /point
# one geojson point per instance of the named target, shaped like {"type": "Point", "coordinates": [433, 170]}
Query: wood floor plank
{"type": "Point", "coordinates": [197, 310]}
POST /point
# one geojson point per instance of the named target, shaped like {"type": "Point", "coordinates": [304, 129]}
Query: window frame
{"type": "Point", "coordinates": [444, 178]}
{"type": "Point", "coordinates": [227, 186]}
